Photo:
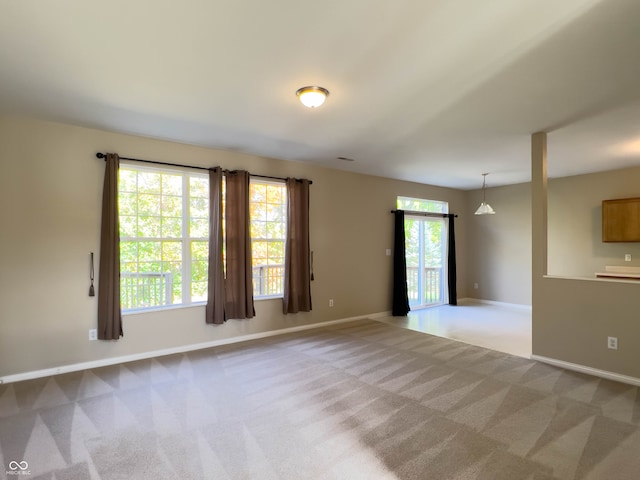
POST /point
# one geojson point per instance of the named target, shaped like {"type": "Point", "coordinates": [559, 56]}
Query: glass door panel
{"type": "Point", "coordinates": [424, 244]}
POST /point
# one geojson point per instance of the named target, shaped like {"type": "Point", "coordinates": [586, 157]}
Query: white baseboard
{"type": "Point", "coordinates": [469, 300]}
{"type": "Point", "coordinates": [588, 370]}
{"type": "Point", "coordinates": [180, 349]}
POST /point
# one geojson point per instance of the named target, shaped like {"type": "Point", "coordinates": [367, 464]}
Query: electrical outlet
{"type": "Point", "coordinates": [475, 285]}
{"type": "Point", "coordinates": [612, 343]}
{"type": "Point", "coordinates": [627, 257]}
{"type": "Point", "coordinates": [331, 302]}
{"type": "Point", "coordinates": [388, 252]}
{"type": "Point", "coordinates": [93, 334]}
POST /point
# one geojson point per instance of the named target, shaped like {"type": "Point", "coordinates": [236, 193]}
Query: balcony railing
{"type": "Point", "coordinates": [142, 290]}
{"type": "Point", "coordinates": [268, 280]}
{"type": "Point", "coordinates": [431, 285]}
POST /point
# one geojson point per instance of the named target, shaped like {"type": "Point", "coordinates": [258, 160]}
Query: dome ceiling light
{"type": "Point", "coordinates": [312, 97]}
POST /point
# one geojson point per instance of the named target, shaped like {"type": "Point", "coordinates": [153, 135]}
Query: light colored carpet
{"type": "Point", "coordinates": [363, 400]}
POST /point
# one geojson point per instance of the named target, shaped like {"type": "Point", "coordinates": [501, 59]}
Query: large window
{"type": "Point", "coordinates": [164, 229]}
{"type": "Point", "coordinates": [268, 233]}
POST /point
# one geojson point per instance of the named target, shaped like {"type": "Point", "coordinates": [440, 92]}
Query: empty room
{"type": "Point", "coordinates": [288, 240]}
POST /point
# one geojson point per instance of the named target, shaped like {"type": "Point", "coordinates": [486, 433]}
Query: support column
{"type": "Point", "coordinates": [538, 232]}
{"type": "Point", "coordinates": [539, 205]}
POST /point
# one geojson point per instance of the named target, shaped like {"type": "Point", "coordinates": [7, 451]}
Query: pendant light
{"type": "Point", "coordinates": [485, 208]}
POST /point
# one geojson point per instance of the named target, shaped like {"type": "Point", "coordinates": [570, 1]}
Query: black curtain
{"type": "Point", "coordinates": [451, 262]}
{"type": "Point", "coordinates": [400, 297]}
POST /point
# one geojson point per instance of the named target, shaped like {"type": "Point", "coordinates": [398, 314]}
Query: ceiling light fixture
{"type": "Point", "coordinates": [312, 97]}
{"type": "Point", "coordinates": [485, 208]}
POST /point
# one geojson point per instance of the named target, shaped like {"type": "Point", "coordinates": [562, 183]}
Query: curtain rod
{"type": "Point", "coordinates": [427, 214]}
{"type": "Point", "coordinates": [156, 162]}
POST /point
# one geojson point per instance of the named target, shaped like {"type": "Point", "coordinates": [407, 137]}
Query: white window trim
{"type": "Point", "coordinates": [185, 240]}
{"type": "Point", "coordinates": [279, 183]}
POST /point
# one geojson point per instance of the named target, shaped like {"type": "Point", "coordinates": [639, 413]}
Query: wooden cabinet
{"type": "Point", "coordinates": [621, 220]}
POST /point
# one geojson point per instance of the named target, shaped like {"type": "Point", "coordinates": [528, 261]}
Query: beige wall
{"type": "Point", "coordinates": [575, 222]}
{"type": "Point", "coordinates": [50, 192]}
{"type": "Point", "coordinates": [572, 318]}
{"type": "Point", "coordinates": [499, 255]}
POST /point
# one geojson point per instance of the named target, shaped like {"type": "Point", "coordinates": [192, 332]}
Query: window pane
{"type": "Point", "coordinates": [128, 203]}
{"type": "Point", "coordinates": [150, 267]}
{"type": "Point", "coordinates": [148, 226]}
{"type": "Point", "coordinates": [275, 213]}
{"type": "Point", "coordinates": [148, 251]}
{"type": "Point", "coordinates": [199, 291]}
{"type": "Point", "coordinates": [171, 227]}
{"type": "Point", "coordinates": [199, 187]}
{"type": "Point", "coordinates": [276, 252]}
{"type": "Point", "coordinates": [258, 192]}
{"type": "Point", "coordinates": [200, 250]}
{"type": "Point", "coordinates": [275, 194]}
{"type": "Point", "coordinates": [199, 227]}
{"type": "Point", "coordinates": [128, 251]}
{"type": "Point", "coordinates": [422, 205]}
{"type": "Point", "coordinates": [258, 211]}
{"type": "Point", "coordinates": [149, 204]}
{"type": "Point", "coordinates": [258, 229]}
{"type": "Point", "coordinates": [198, 207]}
{"type": "Point", "coordinates": [171, 206]}
{"type": "Point", "coordinates": [199, 271]}
{"type": "Point", "coordinates": [127, 180]}
{"type": "Point", "coordinates": [128, 267]}
{"type": "Point", "coordinates": [259, 252]}
{"type": "Point", "coordinates": [268, 227]}
{"type": "Point", "coordinates": [128, 226]}
{"type": "Point", "coordinates": [172, 185]}
{"type": "Point", "coordinates": [148, 182]}
{"type": "Point", "coordinates": [279, 230]}
{"type": "Point", "coordinates": [172, 251]}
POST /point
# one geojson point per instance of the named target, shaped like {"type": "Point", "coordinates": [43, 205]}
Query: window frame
{"type": "Point", "coordinates": [283, 185]}
{"type": "Point", "coordinates": [185, 240]}
{"type": "Point", "coordinates": [443, 204]}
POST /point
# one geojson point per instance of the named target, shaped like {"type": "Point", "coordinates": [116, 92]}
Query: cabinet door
{"type": "Point", "coordinates": [621, 220]}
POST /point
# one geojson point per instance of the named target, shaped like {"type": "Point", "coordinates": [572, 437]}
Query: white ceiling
{"type": "Point", "coordinates": [434, 91]}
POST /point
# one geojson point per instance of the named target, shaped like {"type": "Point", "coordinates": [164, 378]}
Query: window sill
{"type": "Point", "coordinates": [162, 309]}
{"type": "Point", "coordinates": [267, 297]}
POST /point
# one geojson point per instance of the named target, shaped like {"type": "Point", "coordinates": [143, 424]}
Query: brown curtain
{"type": "Point", "coordinates": [109, 313]}
{"type": "Point", "coordinates": [239, 278]}
{"type": "Point", "coordinates": [216, 297]}
{"type": "Point", "coordinates": [297, 264]}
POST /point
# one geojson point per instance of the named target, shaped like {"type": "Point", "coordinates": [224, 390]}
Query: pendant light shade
{"type": "Point", "coordinates": [485, 208]}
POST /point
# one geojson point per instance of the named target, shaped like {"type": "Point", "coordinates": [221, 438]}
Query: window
{"type": "Point", "coordinates": [164, 229]}
{"type": "Point", "coordinates": [422, 205]}
{"type": "Point", "coordinates": [425, 251]}
{"type": "Point", "coordinates": [268, 202]}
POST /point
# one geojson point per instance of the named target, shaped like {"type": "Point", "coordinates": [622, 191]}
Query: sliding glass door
{"type": "Point", "coordinates": [425, 242]}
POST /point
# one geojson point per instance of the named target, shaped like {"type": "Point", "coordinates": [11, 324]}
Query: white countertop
{"type": "Point", "coordinates": [620, 272]}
